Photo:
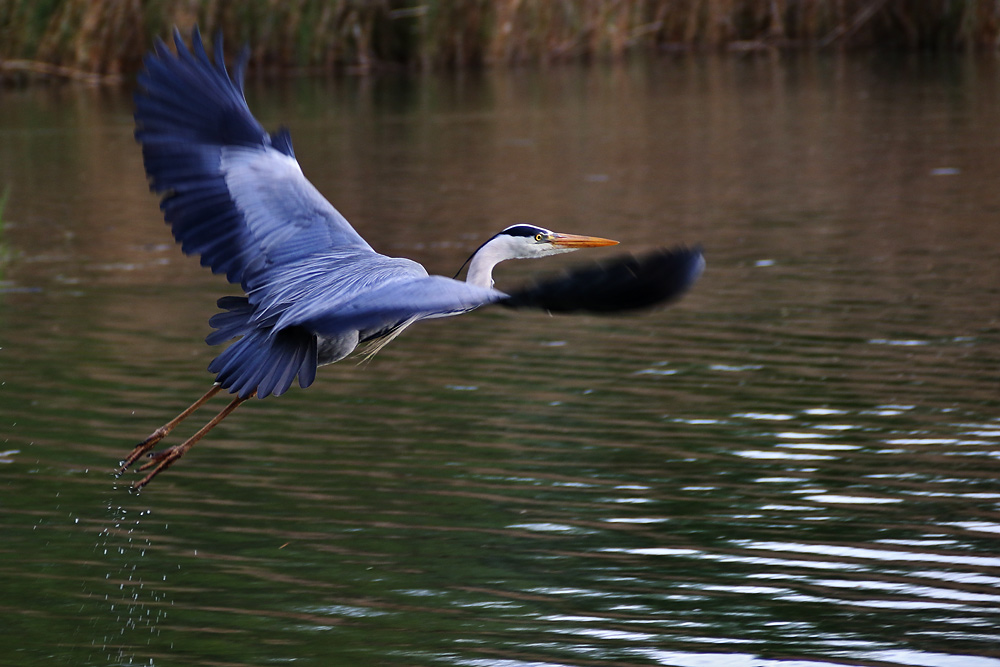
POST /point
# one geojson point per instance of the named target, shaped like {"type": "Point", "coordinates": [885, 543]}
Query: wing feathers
{"type": "Point", "coordinates": [389, 305]}
{"type": "Point", "coordinates": [232, 193]}
{"type": "Point", "coordinates": [623, 284]}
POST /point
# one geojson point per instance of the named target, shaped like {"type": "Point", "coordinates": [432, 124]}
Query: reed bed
{"type": "Point", "coordinates": [105, 39]}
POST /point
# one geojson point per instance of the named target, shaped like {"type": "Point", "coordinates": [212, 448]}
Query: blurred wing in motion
{"type": "Point", "coordinates": [627, 283]}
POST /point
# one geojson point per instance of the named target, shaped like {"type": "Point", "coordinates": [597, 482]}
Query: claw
{"type": "Point", "coordinates": [142, 448]}
{"type": "Point", "coordinates": [156, 457]}
{"type": "Point", "coordinates": [161, 461]}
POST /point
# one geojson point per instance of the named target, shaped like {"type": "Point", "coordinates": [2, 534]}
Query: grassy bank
{"type": "Point", "coordinates": [91, 39]}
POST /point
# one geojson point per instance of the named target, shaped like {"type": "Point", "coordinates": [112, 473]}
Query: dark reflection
{"type": "Point", "coordinates": [797, 465]}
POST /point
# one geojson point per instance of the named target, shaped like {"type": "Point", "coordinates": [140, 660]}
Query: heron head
{"type": "Point", "coordinates": [523, 241]}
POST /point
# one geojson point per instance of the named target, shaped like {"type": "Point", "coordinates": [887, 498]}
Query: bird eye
{"type": "Point", "coordinates": [539, 236]}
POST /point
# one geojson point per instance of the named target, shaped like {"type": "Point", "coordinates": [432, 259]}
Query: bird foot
{"type": "Point", "coordinates": [159, 461]}
{"type": "Point", "coordinates": [142, 448]}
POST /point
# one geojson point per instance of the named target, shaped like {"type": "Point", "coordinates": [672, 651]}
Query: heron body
{"type": "Point", "coordinates": [314, 289]}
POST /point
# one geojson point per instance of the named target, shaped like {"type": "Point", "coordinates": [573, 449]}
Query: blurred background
{"type": "Point", "coordinates": [795, 466]}
{"type": "Point", "coordinates": [107, 38]}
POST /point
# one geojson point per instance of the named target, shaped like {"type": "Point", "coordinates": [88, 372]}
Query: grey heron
{"type": "Point", "coordinates": [313, 288]}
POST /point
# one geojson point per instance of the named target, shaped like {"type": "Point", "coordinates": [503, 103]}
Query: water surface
{"type": "Point", "coordinates": [796, 466]}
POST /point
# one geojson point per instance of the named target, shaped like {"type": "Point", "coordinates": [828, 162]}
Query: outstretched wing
{"type": "Point", "coordinates": [624, 284]}
{"type": "Point", "coordinates": [393, 305]}
{"type": "Point", "coordinates": [233, 194]}
{"type": "Point", "coordinates": [627, 283]}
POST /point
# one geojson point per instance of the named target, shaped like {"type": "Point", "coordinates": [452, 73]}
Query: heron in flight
{"type": "Point", "coordinates": [314, 290]}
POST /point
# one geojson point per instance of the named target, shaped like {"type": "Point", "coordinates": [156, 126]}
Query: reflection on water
{"type": "Point", "coordinates": [797, 466]}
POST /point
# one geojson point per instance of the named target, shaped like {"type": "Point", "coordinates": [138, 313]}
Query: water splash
{"type": "Point", "coordinates": [138, 609]}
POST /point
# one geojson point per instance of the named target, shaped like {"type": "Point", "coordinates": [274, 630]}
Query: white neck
{"type": "Point", "coordinates": [498, 249]}
{"type": "Point", "coordinates": [481, 265]}
{"type": "Point", "coordinates": [503, 247]}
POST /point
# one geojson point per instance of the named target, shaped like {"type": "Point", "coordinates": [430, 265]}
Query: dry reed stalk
{"type": "Point", "coordinates": [105, 37]}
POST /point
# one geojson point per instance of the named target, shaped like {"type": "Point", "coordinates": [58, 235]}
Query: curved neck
{"type": "Point", "coordinates": [499, 249]}
{"type": "Point", "coordinates": [481, 265]}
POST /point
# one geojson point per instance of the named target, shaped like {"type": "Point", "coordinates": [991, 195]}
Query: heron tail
{"type": "Point", "coordinates": [233, 322]}
{"type": "Point", "coordinates": [262, 359]}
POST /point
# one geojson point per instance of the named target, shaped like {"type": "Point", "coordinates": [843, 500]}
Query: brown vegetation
{"type": "Point", "coordinates": [105, 39]}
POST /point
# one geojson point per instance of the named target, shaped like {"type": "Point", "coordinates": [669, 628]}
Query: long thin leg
{"type": "Point", "coordinates": [162, 432]}
{"type": "Point", "coordinates": [166, 458]}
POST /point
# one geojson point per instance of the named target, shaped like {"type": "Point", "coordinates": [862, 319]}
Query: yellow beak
{"type": "Point", "coordinates": [575, 241]}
